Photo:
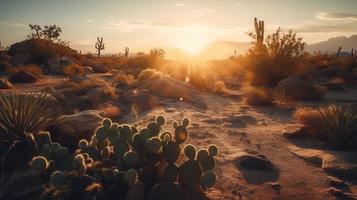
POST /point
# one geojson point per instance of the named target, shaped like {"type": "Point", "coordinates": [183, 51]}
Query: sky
{"type": "Point", "coordinates": [185, 24]}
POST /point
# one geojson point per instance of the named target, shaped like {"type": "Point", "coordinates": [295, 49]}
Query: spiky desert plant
{"type": "Point", "coordinates": [25, 114]}
{"type": "Point", "coordinates": [126, 52]}
{"type": "Point", "coordinates": [99, 45]}
{"type": "Point", "coordinates": [337, 123]}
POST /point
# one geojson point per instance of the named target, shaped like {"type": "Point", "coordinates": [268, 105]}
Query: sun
{"type": "Point", "coordinates": [191, 40]}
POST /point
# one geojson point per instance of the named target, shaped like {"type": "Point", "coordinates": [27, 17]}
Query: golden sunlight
{"type": "Point", "coordinates": [192, 40]}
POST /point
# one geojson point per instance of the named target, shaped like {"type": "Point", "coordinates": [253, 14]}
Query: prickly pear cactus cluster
{"type": "Point", "coordinates": [126, 162]}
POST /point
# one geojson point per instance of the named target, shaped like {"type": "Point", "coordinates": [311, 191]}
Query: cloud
{"type": "Point", "coordinates": [89, 20]}
{"type": "Point", "coordinates": [179, 4]}
{"type": "Point", "coordinates": [13, 24]}
{"type": "Point", "coordinates": [328, 28]}
{"type": "Point", "coordinates": [336, 16]}
{"type": "Point", "coordinates": [238, 4]}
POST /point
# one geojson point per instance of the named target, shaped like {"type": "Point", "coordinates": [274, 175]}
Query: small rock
{"type": "Point", "coordinates": [23, 77]}
{"type": "Point", "coordinates": [254, 161]}
{"type": "Point", "coordinates": [275, 186]}
{"type": "Point", "coordinates": [99, 68]}
{"type": "Point", "coordinates": [5, 84]}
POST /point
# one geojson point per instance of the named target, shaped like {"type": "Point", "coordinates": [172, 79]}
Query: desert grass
{"type": "Point", "coordinates": [335, 123]}
{"type": "Point", "coordinates": [258, 96]}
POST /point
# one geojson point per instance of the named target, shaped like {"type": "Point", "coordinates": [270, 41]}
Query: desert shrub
{"type": "Point", "coordinates": [124, 79]}
{"type": "Point", "coordinates": [124, 162]}
{"type": "Point", "coordinates": [25, 114]}
{"type": "Point", "coordinates": [257, 96]}
{"type": "Point", "coordinates": [73, 70]}
{"type": "Point", "coordinates": [269, 63]}
{"type": "Point", "coordinates": [219, 87]}
{"type": "Point", "coordinates": [32, 69]}
{"type": "Point", "coordinates": [334, 123]}
{"type": "Point", "coordinates": [148, 74]}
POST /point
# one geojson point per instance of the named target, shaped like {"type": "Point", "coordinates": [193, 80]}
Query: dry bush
{"type": "Point", "coordinates": [73, 70]}
{"type": "Point", "coordinates": [334, 123]}
{"type": "Point", "coordinates": [268, 64]}
{"type": "Point", "coordinates": [219, 87]}
{"type": "Point", "coordinates": [32, 68]}
{"type": "Point", "coordinates": [148, 74]}
{"type": "Point", "coordinates": [257, 96]}
{"type": "Point", "coordinates": [124, 79]}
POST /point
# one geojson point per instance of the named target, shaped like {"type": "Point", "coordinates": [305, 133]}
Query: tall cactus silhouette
{"type": "Point", "coordinates": [99, 45]}
{"type": "Point", "coordinates": [339, 51]}
{"type": "Point", "coordinates": [126, 52]}
{"type": "Point", "coordinates": [259, 30]}
{"type": "Point", "coordinates": [352, 52]}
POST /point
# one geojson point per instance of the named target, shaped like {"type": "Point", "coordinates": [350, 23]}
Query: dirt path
{"type": "Point", "coordinates": [234, 126]}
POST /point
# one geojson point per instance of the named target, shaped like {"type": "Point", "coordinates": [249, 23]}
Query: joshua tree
{"type": "Point", "coordinates": [126, 52]}
{"type": "Point", "coordinates": [157, 53]}
{"type": "Point", "coordinates": [339, 51]}
{"type": "Point", "coordinates": [52, 32]}
{"type": "Point", "coordinates": [259, 31]}
{"type": "Point", "coordinates": [99, 45]}
{"type": "Point", "coordinates": [36, 32]}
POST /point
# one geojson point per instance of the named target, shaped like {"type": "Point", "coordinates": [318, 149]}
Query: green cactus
{"type": "Point", "coordinates": [105, 153]}
{"type": "Point", "coordinates": [154, 145]}
{"type": "Point", "coordinates": [160, 120]}
{"type": "Point", "coordinates": [190, 173]}
{"type": "Point", "coordinates": [172, 151]}
{"type": "Point", "coordinates": [136, 192]}
{"type": "Point", "coordinates": [83, 144]}
{"type": "Point", "coordinates": [259, 31]}
{"type": "Point", "coordinates": [131, 177]}
{"type": "Point", "coordinates": [212, 150]}
{"type": "Point", "coordinates": [131, 158]}
{"type": "Point", "coordinates": [190, 151]}
{"type": "Point", "coordinates": [79, 164]}
{"type": "Point", "coordinates": [42, 138]}
{"type": "Point", "coordinates": [181, 133]}
{"type": "Point", "coordinates": [120, 148]}
{"type": "Point", "coordinates": [39, 163]}
{"type": "Point", "coordinates": [102, 144]}
{"type": "Point", "coordinates": [208, 180]}
{"type": "Point", "coordinates": [107, 123]}
{"type": "Point", "coordinates": [102, 133]}
{"type": "Point", "coordinates": [61, 153]}
{"type": "Point", "coordinates": [58, 178]}
{"type": "Point", "coordinates": [206, 161]}
{"type": "Point", "coordinates": [170, 172]}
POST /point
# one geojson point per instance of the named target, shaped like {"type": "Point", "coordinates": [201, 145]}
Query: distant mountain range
{"type": "Point", "coordinates": [331, 45]}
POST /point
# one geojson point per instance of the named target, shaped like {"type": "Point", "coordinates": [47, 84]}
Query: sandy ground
{"type": "Point", "coordinates": [234, 126]}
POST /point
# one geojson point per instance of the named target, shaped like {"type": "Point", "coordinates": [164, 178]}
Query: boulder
{"type": "Point", "coordinates": [170, 88]}
{"type": "Point", "coordinates": [69, 129]}
{"type": "Point", "coordinates": [23, 77]}
{"type": "Point", "coordinates": [254, 161]}
{"type": "Point", "coordinates": [39, 50]}
{"type": "Point", "coordinates": [99, 68]}
{"type": "Point", "coordinates": [58, 64]}
{"type": "Point", "coordinates": [19, 60]}
{"type": "Point", "coordinates": [5, 84]}
{"type": "Point", "coordinates": [338, 163]}
{"type": "Point", "coordinates": [294, 88]}
{"type": "Point", "coordinates": [142, 98]}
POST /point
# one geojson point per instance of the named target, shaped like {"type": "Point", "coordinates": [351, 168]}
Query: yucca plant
{"type": "Point", "coordinates": [25, 114]}
{"type": "Point", "coordinates": [337, 123]}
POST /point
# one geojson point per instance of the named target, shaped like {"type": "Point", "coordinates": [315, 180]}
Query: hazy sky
{"type": "Point", "coordinates": [187, 24]}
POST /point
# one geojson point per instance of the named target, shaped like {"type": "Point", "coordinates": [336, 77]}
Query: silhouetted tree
{"type": "Point", "coordinates": [52, 32]}
{"type": "Point", "coordinates": [99, 45]}
{"type": "Point", "coordinates": [126, 52]}
{"type": "Point", "coordinates": [339, 51]}
{"type": "Point", "coordinates": [157, 53]}
{"type": "Point", "coordinates": [36, 32]}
